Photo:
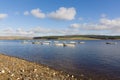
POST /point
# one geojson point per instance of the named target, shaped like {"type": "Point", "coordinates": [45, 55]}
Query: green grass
{"type": "Point", "coordinates": [77, 38]}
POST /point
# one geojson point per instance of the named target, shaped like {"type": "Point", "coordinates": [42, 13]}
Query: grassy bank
{"type": "Point", "coordinates": [77, 38]}
{"type": "Point", "coordinates": [80, 37]}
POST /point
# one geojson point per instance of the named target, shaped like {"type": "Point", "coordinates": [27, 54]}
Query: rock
{"type": "Point", "coordinates": [18, 79]}
{"type": "Point", "coordinates": [12, 74]}
{"type": "Point", "coordinates": [54, 73]}
{"type": "Point", "coordinates": [36, 75]}
{"type": "Point", "coordinates": [34, 70]}
{"type": "Point", "coordinates": [2, 71]}
{"type": "Point", "coordinates": [42, 74]}
{"type": "Point", "coordinates": [68, 75]}
{"type": "Point", "coordinates": [9, 79]}
{"type": "Point", "coordinates": [9, 72]}
{"type": "Point", "coordinates": [47, 68]}
{"type": "Point", "coordinates": [26, 78]}
{"type": "Point", "coordinates": [72, 76]}
{"type": "Point", "coordinates": [22, 70]}
{"type": "Point", "coordinates": [82, 75]}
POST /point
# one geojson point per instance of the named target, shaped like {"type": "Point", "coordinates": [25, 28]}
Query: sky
{"type": "Point", "coordinates": [59, 17]}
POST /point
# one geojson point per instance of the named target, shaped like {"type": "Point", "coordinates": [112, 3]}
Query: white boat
{"type": "Point", "coordinates": [36, 42]}
{"type": "Point", "coordinates": [72, 42]}
{"type": "Point", "coordinates": [59, 44]}
{"type": "Point", "coordinates": [69, 45]}
{"type": "Point", "coordinates": [46, 43]}
{"type": "Point", "coordinates": [113, 43]}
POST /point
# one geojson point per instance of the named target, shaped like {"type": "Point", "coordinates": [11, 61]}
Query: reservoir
{"type": "Point", "coordinates": [94, 58]}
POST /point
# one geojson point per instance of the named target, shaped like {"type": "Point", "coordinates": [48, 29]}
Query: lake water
{"type": "Point", "coordinates": [94, 58]}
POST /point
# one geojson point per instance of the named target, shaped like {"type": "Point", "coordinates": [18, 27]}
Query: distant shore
{"type": "Point", "coordinates": [12, 68]}
{"type": "Point", "coordinates": [80, 37]}
{"type": "Point", "coordinates": [65, 37]}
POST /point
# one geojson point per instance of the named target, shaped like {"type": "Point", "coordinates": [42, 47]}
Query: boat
{"type": "Point", "coordinates": [46, 43]}
{"type": "Point", "coordinates": [59, 44]}
{"type": "Point", "coordinates": [36, 42]}
{"type": "Point", "coordinates": [113, 43]}
{"type": "Point", "coordinates": [69, 45]}
{"type": "Point", "coordinates": [72, 42]}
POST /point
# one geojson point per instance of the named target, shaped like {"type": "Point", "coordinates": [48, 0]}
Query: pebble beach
{"type": "Point", "coordinates": [12, 68]}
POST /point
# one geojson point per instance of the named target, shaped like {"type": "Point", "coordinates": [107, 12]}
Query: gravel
{"type": "Point", "coordinates": [12, 68]}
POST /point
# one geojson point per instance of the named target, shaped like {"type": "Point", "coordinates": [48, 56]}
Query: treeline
{"type": "Point", "coordinates": [103, 37]}
{"type": "Point", "coordinates": [48, 37]}
{"type": "Point", "coordinates": [79, 36]}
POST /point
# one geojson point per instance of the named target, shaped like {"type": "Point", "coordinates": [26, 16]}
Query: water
{"type": "Point", "coordinates": [94, 58]}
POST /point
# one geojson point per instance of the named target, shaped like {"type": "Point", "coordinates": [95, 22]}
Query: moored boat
{"type": "Point", "coordinates": [59, 44]}
{"type": "Point", "coordinates": [72, 42]}
{"type": "Point", "coordinates": [111, 43]}
{"type": "Point", "coordinates": [69, 45]}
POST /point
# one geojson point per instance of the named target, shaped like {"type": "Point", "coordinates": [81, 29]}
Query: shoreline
{"type": "Point", "coordinates": [12, 68]}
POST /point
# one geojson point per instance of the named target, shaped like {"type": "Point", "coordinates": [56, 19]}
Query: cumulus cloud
{"type": "Point", "coordinates": [80, 18]}
{"type": "Point", "coordinates": [16, 32]}
{"type": "Point", "coordinates": [41, 30]}
{"type": "Point", "coordinates": [37, 13]}
{"type": "Point", "coordinates": [111, 23]}
{"type": "Point", "coordinates": [3, 16]}
{"type": "Point", "coordinates": [48, 31]}
{"type": "Point", "coordinates": [26, 13]}
{"type": "Point", "coordinates": [75, 25]}
{"type": "Point", "coordinates": [105, 26]}
{"type": "Point", "coordinates": [88, 26]}
{"type": "Point", "coordinates": [63, 14]}
{"type": "Point", "coordinates": [111, 26]}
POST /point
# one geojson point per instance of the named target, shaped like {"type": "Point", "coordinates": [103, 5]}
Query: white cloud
{"type": "Point", "coordinates": [37, 13]}
{"type": "Point", "coordinates": [109, 26]}
{"type": "Point", "coordinates": [48, 31]}
{"type": "Point", "coordinates": [40, 30]}
{"type": "Point", "coordinates": [80, 18]}
{"type": "Point", "coordinates": [104, 27]}
{"type": "Point", "coordinates": [111, 23]}
{"type": "Point", "coordinates": [3, 16]}
{"type": "Point", "coordinates": [26, 13]}
{"type": "Point", "coordinates": [75, 25]}
{"type": "Point", "coordinates": [63, 14]}
{"type": "Point", "coordinates": [88, 26]}
{"type": "Point", "coordinates": [16, 32]}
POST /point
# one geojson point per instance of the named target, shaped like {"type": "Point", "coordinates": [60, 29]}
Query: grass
{"type": "Point", "coordinates": [77, 38]}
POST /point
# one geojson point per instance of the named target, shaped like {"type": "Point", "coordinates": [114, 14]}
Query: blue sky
{"type": "Point", "coordinates": [59, 17]}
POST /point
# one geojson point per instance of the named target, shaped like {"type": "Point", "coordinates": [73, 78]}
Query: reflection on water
{"type": "Point", "coordinates": [93, 58]}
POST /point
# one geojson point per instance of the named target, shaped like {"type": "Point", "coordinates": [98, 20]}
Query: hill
{"type": "Point", "coordinates": [79, 37]}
